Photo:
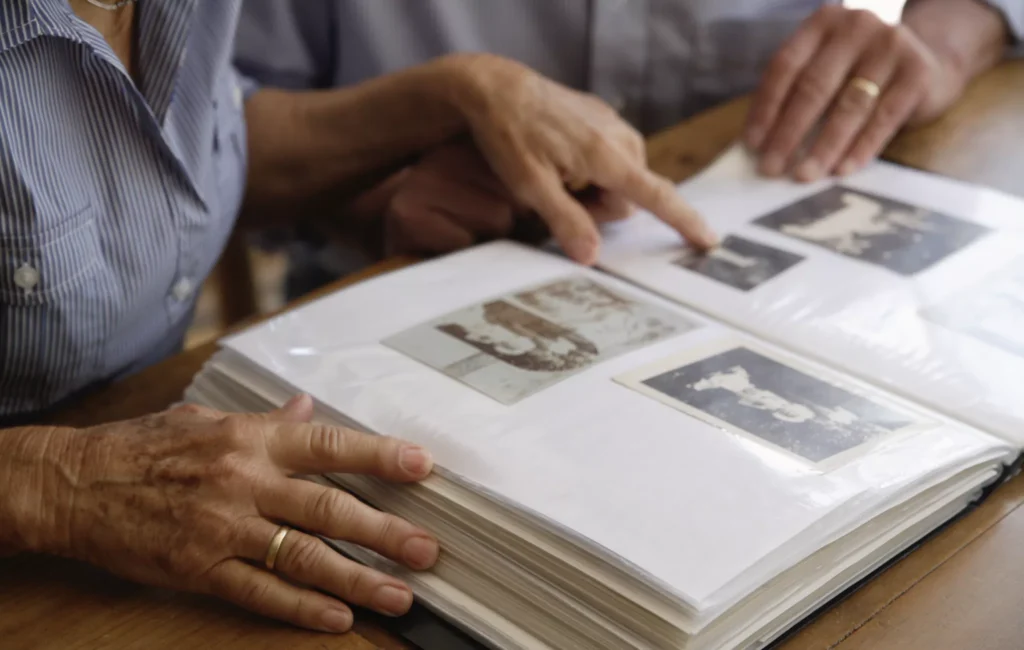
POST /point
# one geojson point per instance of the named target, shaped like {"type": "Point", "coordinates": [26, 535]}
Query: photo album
{"type": "Point", "coordinates": [676, 450]}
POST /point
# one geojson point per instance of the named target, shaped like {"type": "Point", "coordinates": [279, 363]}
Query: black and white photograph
{"type": "Point", "coordinates": [740, 263]}
{"type": "Point", "coordinates": [992, 312]}
{"type": "Point", "coordinates": [902, 238]}
{"type": "Point", "coordinates": [515, 345]}
{"type": "Point", "coordinates": [759, 396]}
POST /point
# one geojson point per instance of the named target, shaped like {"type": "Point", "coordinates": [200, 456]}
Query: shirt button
{"type": "Point", "coordinates": [26, 278]}
{"type": "Point", "coordinates": [237, 96]}
{"type": "Point", "coordinates": [182, 289]}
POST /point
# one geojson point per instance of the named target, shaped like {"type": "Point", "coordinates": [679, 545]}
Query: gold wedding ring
{"type": "Point", "coordinates": [275, 546]}
{"type": "Point", "coordinates": [866, 86]}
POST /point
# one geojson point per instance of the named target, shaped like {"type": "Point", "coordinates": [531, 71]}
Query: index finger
{"type": "Point", "coordinates": [658, 196]}
{"type": "Point", "coordinates": [320, 449]}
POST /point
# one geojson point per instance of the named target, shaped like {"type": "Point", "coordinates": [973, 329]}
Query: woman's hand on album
{"type": "Point", "coordinates": [863, 79]}
{"type": "Point", "coordinates": [548, 143]}
{"type": "Point", "coordinates": [451, 199]}
{"type": "Point", "coordinates": [194, 499]}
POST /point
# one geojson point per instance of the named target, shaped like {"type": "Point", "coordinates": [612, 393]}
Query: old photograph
{"type": "Point", "coordinates": [992, 312]}
{"type": "Point", "coordinates": [902, 238]}
{"type": "Point", "coordinates": [772, 402]}
{"type": "Point", "coordinates": [512, 346]}
{"type": "Point", "coordinates": [740, 263]}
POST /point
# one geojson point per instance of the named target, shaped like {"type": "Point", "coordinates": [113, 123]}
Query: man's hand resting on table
{"type": "Point", "coordinates": [861, 80]}
{"type": "Point", "coordinates": [192, 499]}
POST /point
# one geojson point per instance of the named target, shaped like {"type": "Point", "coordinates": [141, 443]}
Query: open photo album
{"type": "Point", "coordinates": [677, 450]}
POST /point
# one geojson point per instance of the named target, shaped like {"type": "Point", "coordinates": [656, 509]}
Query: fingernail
{"type": "Point", "coordinates": [808, 171]}
{"type": "Point", "coordinates": [846, 168]}
{"type": "Point", "coordinates": [335, 620]}
{"type": "Point", "coordinates": [392, 600]}
{"type": "Point", "coordinates": [772, 165]}
{"type": "Point", "coordinates": [296, 402]}
{"type": "Point", "coordinates": [582, 249]}
{"type": "Point", "coordinates": [415, 460]}
{"type": "Point", "coordinates": [420, 553]}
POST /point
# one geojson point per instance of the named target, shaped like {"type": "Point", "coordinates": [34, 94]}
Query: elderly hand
{"type": "Point", "coordinates": [864, 77]}
{"type": "Point", "coordinates": [540, 137]}
{"type": "Point", "coordinates": [191, 499]}
{"type": "Point", "coordinates": [451, 200]}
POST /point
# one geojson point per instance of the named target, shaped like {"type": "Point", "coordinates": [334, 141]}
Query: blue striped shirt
{"type": "Point", "coordinates": [116, 198]}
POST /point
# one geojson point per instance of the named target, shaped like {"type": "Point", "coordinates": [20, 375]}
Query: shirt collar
{"type": "Point", "coordinates": [24, 20]}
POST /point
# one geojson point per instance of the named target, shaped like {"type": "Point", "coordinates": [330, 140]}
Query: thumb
{"type": "Point", "coordinates": [298, 409]}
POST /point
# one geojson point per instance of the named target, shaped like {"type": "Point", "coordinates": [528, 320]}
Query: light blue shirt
{"type": "Point", "coordinates": [116, 199]}
{"type": "Point", "coordinates": [657, 61]}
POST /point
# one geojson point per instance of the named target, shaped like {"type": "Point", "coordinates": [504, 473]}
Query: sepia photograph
{"type": "Point", "coordinates": [512, 346]}
{"type": "Point", "coordinates": [992, 312]}
{"type": "Point", "coordinates": [902, 238]}
{"type": "Point", "coordinates": [774, 403]}
{"type": "Point", "coordinates": [740, 263]}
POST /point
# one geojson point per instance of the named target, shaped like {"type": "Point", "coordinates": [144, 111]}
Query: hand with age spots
{"type": "Point", "coordinates": [190, 499]}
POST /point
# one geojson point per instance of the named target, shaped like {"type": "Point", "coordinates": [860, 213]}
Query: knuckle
{"type": "Point", "coordinates": [634, 143]}
{"type": "Point", "coordinates": [332, 505]}
{"type": "Point", "coordinates": [888, 114]}
{"type": "Point", "coordinates": [254, 593]}
{"type": "Point", "coordinates": [786, 60]}
{"type": "Point", "coordinates": [329, 441]}
{"type": "Point", "coordinates": [864, 20]}
{"type": "Point", "coordinates": [530, 185]}
{"type": "Point", "coordinates": [387, 530]}
{"type": "Point", "coordinates": [189, 409]}
{"type": "Point", "coordinates": [900, 38]}
{"type": "Point", "coordinates": [358, 583]}
{"type": "Point", "coordinates": [595, 147]}
{"type": "Point", "coordinates": [236, 432]}
{"type": "Point", "coordinates": [186, 559]}
{"type": "Point", "coordinates": [230, 472]}
{"type": "Point", "coordinates": [812, 87]}
{"type": "Point", "coordinates": [303, 557]}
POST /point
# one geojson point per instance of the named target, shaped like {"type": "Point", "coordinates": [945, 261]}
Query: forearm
{"type": "Point", "coordinates": [322, 148]}
{"type": "Point", "coordinates": [969, 36]}
{"type": "Point", "coordinates": [35, 465]}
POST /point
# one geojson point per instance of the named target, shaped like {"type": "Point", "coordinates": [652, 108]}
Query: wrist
{"type": "Point", "coordinates": [966, 36]}
{"type": "Point", "coordinates": [38, 469]}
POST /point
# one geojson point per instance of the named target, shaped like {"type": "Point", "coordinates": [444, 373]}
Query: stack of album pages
{"type": "Point", "coordinates": [677, 450]}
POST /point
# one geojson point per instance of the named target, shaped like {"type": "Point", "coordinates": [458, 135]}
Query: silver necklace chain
{"type": "Point", "coordinates": [110, 6]}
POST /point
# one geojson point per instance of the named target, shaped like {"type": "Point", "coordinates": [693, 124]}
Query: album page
{"type": "Point", "coordinates": [666, 444]}
{"type": "Point", "coordinates": [909, 280]}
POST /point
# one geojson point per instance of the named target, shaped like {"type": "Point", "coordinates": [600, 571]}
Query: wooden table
{"type": "Point", "coordinates": [962, 589]}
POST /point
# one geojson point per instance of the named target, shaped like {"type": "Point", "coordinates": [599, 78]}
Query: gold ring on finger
{"type": "Point", "coordinates": [275, 546]}
{"type": "Point", "coordinates": [866, 86]}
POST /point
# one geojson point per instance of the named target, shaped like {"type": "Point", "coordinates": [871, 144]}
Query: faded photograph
{"type": "Point", "coordinates": [513, 346]}
{"type": "Point", "coordinates": [740, 263]}
{"type": "Point", "coordinates": [992, 312]}
{"type": "Point", "coordinates": [775, 403]}
{"type": "Point", "coordinates": [902, 238]}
